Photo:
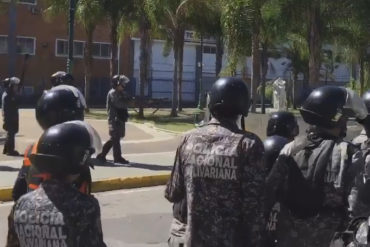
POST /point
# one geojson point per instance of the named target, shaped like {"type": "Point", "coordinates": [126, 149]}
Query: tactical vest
{"type": "Point", "coordinates": [309, 170]}
{"type": "Point", "coordinates": [34, 177]}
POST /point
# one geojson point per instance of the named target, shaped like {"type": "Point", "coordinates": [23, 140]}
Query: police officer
{"type": "Point", "coordinates": [57, 214]}
{"type": "Point", "coordinates": [117, 103]}
{"type": "Point", "coordinates": [10, 106]}
{"type": "Point", "coordinates": [361, 205]}
{"type": "Point", "coordinates": [57, 105]}
{"type": "Point", "coordinates": [283, 124]}
{"type": "Point", "coordinates": [273, 145]}
{"type": "Point", "coordinates": [282, 128]}
{"type": "Point", "coordinates": [314, 174]}
{"type": "Point", "coordinates": [61, 78]}
{"type": "Point", "coordinates": [219, 170]}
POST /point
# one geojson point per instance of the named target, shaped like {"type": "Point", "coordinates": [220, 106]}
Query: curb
{"type": "Point", "coordinates": [109, 184]}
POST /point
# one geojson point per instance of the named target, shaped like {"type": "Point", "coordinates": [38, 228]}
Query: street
{"type": "Point", "coordinates": [132, 218]}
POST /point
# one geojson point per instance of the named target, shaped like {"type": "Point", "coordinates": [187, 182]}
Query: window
{"type": "Point", "coordinates": [3, 44]}
{"type": "Point", "coordinates": [33, 2]}
{"type": "Point", "coordinates": [26, 45]}
{"type": "Point", "coordinates": [102, 50]}
{"type": "Point", "coordinates": [209, 49]}
{"type": "Point", "coordinates": [62, 48]}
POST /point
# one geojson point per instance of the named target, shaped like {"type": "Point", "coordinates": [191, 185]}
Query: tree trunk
{"type": "Point", "coordinates": [295, 79]}
{"type": "Point", "coordinates": [314, 45]}
{"type": "Point", "coordinates": [88, 65]}
{"type": "Point", "coordinates": [264, 65]}
{"type": "Point", "coordinates": [174, 83]}
{"type": "Point", "coordinates": [114, 40]}
{"type": "Point", "coordinates": [362, 76]}
{"type": "Point", "coordinates": [256, 64]}
{"type": "Point", "coordinates": [219, 54]}
{"type": "Point", "coordinates": [145, 46]}
{"type": "Point", "coordinates": [180, 66]}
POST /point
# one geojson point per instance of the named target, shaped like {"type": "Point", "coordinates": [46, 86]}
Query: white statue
{"type": "Point", "coordinates": [279, 96]}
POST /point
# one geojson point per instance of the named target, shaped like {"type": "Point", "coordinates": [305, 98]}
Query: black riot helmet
{"type": "Point", "coordinates": [366, 99]}
{"type": "Point", "coordinates": [60, 104]}
{"type": "Point", "coordinates": [61, 78]}
{"type": "Point", "coordinates": [273, 146]}
{"type": "Point", "coordinates": [66, 148]}
{"type": "Point", "coordinates": [120, 80]}
{"type": "Point", "coordinates": [282, 124]}
{"type": "Point", "coordinates": [326, 105]}
{"type": "Point", "coordinates": [229, 97]}
{"type": "Point", "coordinates": [10, 82]}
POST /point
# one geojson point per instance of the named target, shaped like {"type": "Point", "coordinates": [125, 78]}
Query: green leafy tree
{"type": "Point", "coordinates": [172, 16]}
{"type": "Point", "coordinates": [139, 23]}
{"type": "Point", "coordinates": [242, 24]}
{"type": "Point", "coordinates": [316, 20]}
{"type": "Point", "coordinates": [88, 14]}
{"type": "Point", "coordinates": [115, 11]}
{"type": "Point", "coordinates": [355, 37]}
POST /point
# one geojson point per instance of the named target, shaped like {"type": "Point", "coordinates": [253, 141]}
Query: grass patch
{"type": "Point", "coordinates": [161, 118]}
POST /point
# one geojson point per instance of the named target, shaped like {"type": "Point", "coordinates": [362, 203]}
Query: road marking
{"type": "Point", "coordinates": [129, 191]}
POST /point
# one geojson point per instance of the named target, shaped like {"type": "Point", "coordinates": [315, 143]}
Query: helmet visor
{"type": "Point", "coordinates": [355, 106]}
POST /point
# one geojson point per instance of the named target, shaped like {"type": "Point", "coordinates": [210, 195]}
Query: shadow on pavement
{"type": "Point", "coordinates": [133, 165]}
{"type": "Point", "coordinates": [8, 169]}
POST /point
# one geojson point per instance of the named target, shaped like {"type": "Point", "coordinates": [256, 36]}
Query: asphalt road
{"type": "Point", "coordinates": [130, 218]}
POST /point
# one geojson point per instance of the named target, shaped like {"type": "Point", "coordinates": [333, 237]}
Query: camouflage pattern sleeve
{"type": "Point", "coordinates": [275, 179]}
{"type": "Point", "coordinates": [93, 236]}
{"type": "Point", "coordinates": [253, 189]}
{"type": "Point", "coordinates": [12, 240]}
{"type": "Point", "coordinates": [175, 189]}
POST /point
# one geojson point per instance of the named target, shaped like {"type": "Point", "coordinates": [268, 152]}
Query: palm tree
{"type": "Point", "coordinates": [355, 38]}
{"type": "Point", "coordinates": [172, 16]}
{"type": "Point", "coordinates": [115, 10]}
{"type": "Point", "coordinates": [207, 22]}
{"type": "Point", "coordinates": [319, 18]}
{"type": "Point", "coordinates": [242, 23]}
{"type": "Point", "coordinates": [88, 14]}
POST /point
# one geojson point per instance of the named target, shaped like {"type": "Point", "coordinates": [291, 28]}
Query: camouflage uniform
{"type": "Point", "coordinates": [360, 193]}
{"type": "Point", "coordinates": [340, 163]}
{"type": "Point", "coordinates": [117, 117]}
{"type": "Point", "coordinates": [55, 214]}
{"type": "Point", "coordinates": [219, 169]}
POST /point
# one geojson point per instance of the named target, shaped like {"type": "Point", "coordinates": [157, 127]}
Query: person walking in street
{"type": "Point", "coordinates": [57, 214]}
{"type": "Point", "coordinates": [10, 107]}
{"type": "Point", "coordinates": [314, 175]}
{"type": "Point", "coordinates": [219, 170]}
{"type": "Point", "coordinates": [117, 103]}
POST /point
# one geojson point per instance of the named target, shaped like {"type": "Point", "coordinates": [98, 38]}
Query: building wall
{"type": "Point", "coordinates": [31, 22]}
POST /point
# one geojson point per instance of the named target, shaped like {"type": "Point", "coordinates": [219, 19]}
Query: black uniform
{"type": "Point", "coordinates": [117, 117]}
{"type": "Point", "coordinates": [10, 106]}
{"type": "Point", "coordinates": [56, 214]}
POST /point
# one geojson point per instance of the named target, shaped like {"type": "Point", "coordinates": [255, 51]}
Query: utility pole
{"type": "Point", "coordinates": [12, 37]}
{"type": "Point", "coordinates": [200, 66]}
{"type": "Point", "coordinates": [71, 21]}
